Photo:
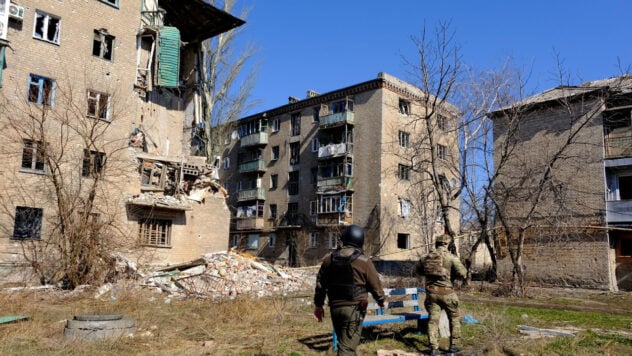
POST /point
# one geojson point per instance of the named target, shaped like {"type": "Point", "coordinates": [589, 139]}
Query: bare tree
{"type": "Point", "coordinates": [431, 153]}
{"type": "Point", "coordinates": [59, 197]}
{"type": "Point", "coordinates": [225, 85]}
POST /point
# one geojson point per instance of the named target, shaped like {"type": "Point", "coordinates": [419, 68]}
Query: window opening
{"type": "Point", "coordinates": [28, 223]}
{"type": "Point", "coordinates": [46, 27]}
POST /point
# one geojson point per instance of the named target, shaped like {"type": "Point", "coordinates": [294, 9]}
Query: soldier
{"type": "Point", "coordinates": [440, 267]}
{"type": "Point", "coordinates": [346, 276]}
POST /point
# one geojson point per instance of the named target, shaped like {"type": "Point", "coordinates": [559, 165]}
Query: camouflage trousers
{"type": "Point", "coordinates": [347, 322]}
{"type": "Point", "coordinates": [450, 303]}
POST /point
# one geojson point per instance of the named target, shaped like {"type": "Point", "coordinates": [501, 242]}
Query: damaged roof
{"type": "Point", "coordinates": [198, 20]}
{"type": "Point", "coordinates": [622, 84]}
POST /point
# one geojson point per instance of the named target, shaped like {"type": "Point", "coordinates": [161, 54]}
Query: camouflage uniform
{"type": "Point", "coordinates": [347, 313]}
{"type": "Point", "coordinates": [441, 295]}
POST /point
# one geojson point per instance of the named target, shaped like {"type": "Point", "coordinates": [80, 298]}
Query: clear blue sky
{"type": "Point", "coordinates": [325, 45]}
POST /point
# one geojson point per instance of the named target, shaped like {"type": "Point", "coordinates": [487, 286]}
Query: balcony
{"type": "Point", "coordinates": [333, 219]}
{"type": "Point", "coordinates": [257, 139]}
{"type": "Point", "coordinates": [335, 150]}
{"type": "Point", "coordinates": [252, 194]}
{"type": "Point", "coordinates": [618, 145]}
{"type": "Point", "coordinates": [337, 119]}
{"type": "Point", "coordinates": [340, 181]}
{"type": "Point", "coordinates": [250, 224]}
{"type": "Point", "coordinates": [253, 166]}
{"type": "Point", "coordinates": [619, 211]}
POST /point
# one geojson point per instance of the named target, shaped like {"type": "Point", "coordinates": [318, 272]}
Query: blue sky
{"type": "Point", "coordinates": [325, 45]}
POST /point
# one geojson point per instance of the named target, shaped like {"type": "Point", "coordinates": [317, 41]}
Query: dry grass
{"type": "Point", "coordinates": [283, 326]}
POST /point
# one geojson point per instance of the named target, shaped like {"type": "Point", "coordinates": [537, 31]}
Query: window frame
{"type": "Point", "coordinates": [405, 237]}
{"type": "Point", "coordinates": [93, 163]}
{"type": "Point", "coordinates": [253, 242]}
{"type": "Point", "coordinates": [315, 144]}
{"type": "Point", "coordinates": [274, 153]}
{"type": "Point", "coordinates": [404, 139]}
{"type": "Point", "coordinates": [148, 235]}
{"type": "Point", "coordinates": [274, 211]}
{"type": "Point", "coordinates": [272, 240]}
{"type": "Point", "coordinates": [442, 152]}
{"type": "Point", "coordinates": [404, 107]}
{"type": "Point", "coordinates": [403, 171]}
{"type": "Point", "coordinates": [113, 3]}
{"type": "Point", "coordinates": [442, 122]}
{"type": "Point", "coordinates": [313, 240]}
{"type": "Point", "coordinates": [105, 43]}
{"type": "Point", "coordinates": [276, 125]}
{"type": "Point", "coordinates": [295, 153]}
{"type": "Point", "coordinates": [274, 181]}
{"type": "Point", "coordinates": [32, 227]}
{"type": "Point", "coordinates": [226, 163]}
{"type": "Point", "coordinates": [293, 186]}
{"type": "Point", "coordinates": [96, 97]}
{"type": "Point", "coordinates": [35, 151]}
{"type": "Point", "coordinates": [45, 94]}
{"type": "Point", "coordinates": [46, 27]}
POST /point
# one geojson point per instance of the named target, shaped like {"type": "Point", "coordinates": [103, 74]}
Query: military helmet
{"type": "Point", "coordinates": [353, 236]}
{"type": "Point", "coordinates": [443, 239]}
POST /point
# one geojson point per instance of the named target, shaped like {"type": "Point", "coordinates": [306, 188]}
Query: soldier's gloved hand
{"type": "Point", "coordinates": [319, 314]}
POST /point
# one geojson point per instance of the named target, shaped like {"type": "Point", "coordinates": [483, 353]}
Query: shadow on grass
{"type": "Point", "coordinates": [320, 342]}
{"type": "Point", "coordinates": [408, 336]}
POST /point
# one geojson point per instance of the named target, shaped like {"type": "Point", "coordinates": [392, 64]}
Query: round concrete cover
{"type": "Point", "coordinates": [98, 317]}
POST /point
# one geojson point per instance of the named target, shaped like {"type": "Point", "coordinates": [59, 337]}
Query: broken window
{"type": "Point", "coordinates": [102, 44]}
{"type": "Point", "coordinates": [114, 3]}
{"type": "Point", "coordinates": [155, 232]}
{"type": "Point", "coordinates": [274, 181]}
{"type": "Point", "coordinates": [292, 183]}
{"type": "Point", "coordinates": [404, 107]}
{"type": "Point", "coordinates": [404, 208]}
{"type": "Point", "coordinates": [46, 27]}
{"type": "Point", "coordinates": [41, 90]}
{"type": "Point", "coordinates": [253, 241]}
{"type": "Point", "coordinates": [275, 153]}
{"type": "Point", "coordinates": [295, 152]}
{"type": "Point", "coordinates": [33, 156]}
{"type": "Point", "coordinates": [28, 223]}
{"type": "Point", "coordinates": [403, 241]}
{"type": "Point", "coordinates": [93, 163]}
{"type": "Point", "coordinates": [295, 124]}
{"type": "Point", "coordinates": [98, 105]}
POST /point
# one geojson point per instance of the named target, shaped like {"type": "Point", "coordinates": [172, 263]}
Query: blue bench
{"type": "Point", "coordinates": [400, 302]}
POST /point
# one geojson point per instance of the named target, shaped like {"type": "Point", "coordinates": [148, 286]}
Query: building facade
{"type": "Point", "coordinates": [300, 173]}
{"type": "Point", "coordinates": [105, 92]}
{"type": "Point", "coordinates": [579, 232]}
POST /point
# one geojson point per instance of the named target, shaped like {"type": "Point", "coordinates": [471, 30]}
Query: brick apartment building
{"type": "Point", "coordinates": [581, 233]}
{"type": "Point", "coordinates": [126, 70]}
{"type": "Point", "coordinates": [299, 173]}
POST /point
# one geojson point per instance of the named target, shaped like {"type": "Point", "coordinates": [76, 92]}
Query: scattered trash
{"type": "Point", "coordinates": [468, 319]}
{"type": "Point", "coordinates": [537, 332]}
{"type": "Point", "coordinates": [12, 319]}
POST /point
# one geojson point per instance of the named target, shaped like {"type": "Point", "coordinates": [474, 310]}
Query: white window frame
{"type": "Point", "coordinates": [275, 125]}
{"type": "Point", "coordinates": [404, 207]}
{"type": "Point", "coordinates": [403, 171]}
{"type": "Point", "coordinates": [442, 152]}
{"type": "Point", "coordinates": [226, 162]}
{"type": "Point", "coordinates": [46, 19]}
{"type": "Point", "coordinates": [404, 107]}
{"type": "Point", "coordinates": [96, 100]}
{"type": "Point", "coordinates": [442, 122]}
{"type": "Point", "coordinates": [34, 149]}
{"type": "Point", "coordinates": [234, 240]}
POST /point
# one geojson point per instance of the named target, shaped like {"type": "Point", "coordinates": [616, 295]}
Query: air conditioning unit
{"type": "Point", "coordinates": [16, 12]}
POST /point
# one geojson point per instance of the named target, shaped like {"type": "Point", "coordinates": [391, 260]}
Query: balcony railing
{"type": "Point", "coordinates": [250, 223]}
{"type": "Point", "coordinates": [619, 145]}
{"type": "Point", "coordinates": [619, 211]}
{"type": "Point", "coordinates": [253, 166]}
{"type": "Point", "coordinates": [346, 182]}
{"type": "Point", "coordinates": [339, 118]}
{"type": "Point", "coordinates": [259, 138]}
{"type": "Point", "coordinates": [335, 150]}
{"type": "Point", "coordinates": [252, 194]}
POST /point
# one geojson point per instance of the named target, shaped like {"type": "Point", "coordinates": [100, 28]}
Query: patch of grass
{"type": "Point", "coordinates": [284, 326]}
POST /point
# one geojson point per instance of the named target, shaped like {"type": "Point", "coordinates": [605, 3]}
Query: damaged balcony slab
{"type": "Point", "coordinates": [161, 201]}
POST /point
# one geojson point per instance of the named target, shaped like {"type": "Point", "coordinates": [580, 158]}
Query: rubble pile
{"type": "Point", "coordinates": [225, 275]}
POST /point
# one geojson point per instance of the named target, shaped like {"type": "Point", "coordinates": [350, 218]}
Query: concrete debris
{"type": "Point", "coordinates": [151, 199]}
{"type": "Point", "coordinates": [538, 332]}
{"type": "Point", "coordinates": [229, 275]}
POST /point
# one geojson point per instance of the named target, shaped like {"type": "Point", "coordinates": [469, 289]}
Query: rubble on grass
{"type": "Point", "coordinates": [227, 275]}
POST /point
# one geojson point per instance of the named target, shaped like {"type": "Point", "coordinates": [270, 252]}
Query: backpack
{"type": "Point", "coordinates": [433, 265]}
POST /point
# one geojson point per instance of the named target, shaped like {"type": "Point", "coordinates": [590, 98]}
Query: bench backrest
{"type": "Point", "coordinates": [398, 298]}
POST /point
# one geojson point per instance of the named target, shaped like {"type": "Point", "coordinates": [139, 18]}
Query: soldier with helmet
{"type": "Point", "coordinates": [440, 267]}
{"type": "Point", "coordinates": [346, 276]}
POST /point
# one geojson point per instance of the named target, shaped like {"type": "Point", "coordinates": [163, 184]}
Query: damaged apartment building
{"type": "Point", "coordinates": [580, 233]}
{"type": "Point", "coordinates": [300, 173]}
{"type": "Point", "coordinates": [123, 78]}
